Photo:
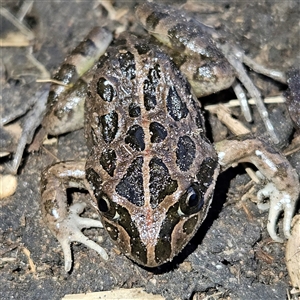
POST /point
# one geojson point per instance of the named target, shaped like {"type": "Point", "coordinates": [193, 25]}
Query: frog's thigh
{"type": "Point", "coordinates": [65, 223]}
{"type": "Point", "coordinates": [208, 77]}
{"type": "Point", "coordinates": [191, 48]}
{"type": "Point", "coordinates": [283, 186]}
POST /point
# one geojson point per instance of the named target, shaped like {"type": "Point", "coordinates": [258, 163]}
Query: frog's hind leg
{"type": "Point", "coordinates": [209, 66]}
{"type": "Point", "coordinates": [69, 90]}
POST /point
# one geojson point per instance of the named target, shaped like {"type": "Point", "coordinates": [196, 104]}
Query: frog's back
{"type": "Point", "coordinates": [149, 149]}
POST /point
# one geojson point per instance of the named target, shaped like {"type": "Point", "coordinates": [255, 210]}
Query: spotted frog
{"type": "Point", "coordinates": [150, 171]}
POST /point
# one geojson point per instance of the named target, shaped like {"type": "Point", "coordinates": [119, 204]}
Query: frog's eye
{"type": "Point", "coordinates": [103, 203]}
{"type": "Point", "coordinates": [107, 207]}
{"type": "Point", "coordinates": [191, 201]}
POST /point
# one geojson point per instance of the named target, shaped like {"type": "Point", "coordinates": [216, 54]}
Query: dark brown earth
{"type": "Point", "coordinates": [232, 255]}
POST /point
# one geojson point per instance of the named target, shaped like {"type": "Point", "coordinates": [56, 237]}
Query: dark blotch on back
{"type": "Point", "coordinates": [135, 138]}
{"type": "Point", "coordinates": [154, 74]}
{"type": "Point", "coordinates": [149, 95]}
{"type": "Point", "coordinates": [158, 132]}
{"type": "Point", "coordinates": [161, 184]}
{"type": "Point", "coordinates": [131, 185]}
{"type": "Point", "coordinates": [206, 172]}
{"type": "Point", "coordinates": [185, 153]}
{"type": "Point", "coordinates": [105, 90]}
{"type": "Point", "coordinates": [150, 85]}
{"type": "Point", "coordinates": [176, 108]}
{"type": "Point", "coordinates": [108, 161]}
{"type": "Point", "coordinates": [109, 126]}
{"type": "Point", "coordinates": [134, 110]}
{"type": "Point", "coordinates": [127, 64]}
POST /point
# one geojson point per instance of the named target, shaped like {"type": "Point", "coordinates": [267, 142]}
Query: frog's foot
{"type": "Point", "coordinates": [283, 187]}
{"type": "Point", "coordinates": [236, 59]}
{"type": "Point", "coordinates": [70, 231]}
{"type": "Point", "coordinates": [280, 201]}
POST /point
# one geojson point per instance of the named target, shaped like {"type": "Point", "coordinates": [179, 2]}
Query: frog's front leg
{"type": "Point", "coordinates": [283, 187]}
{"type": "Point", "coordinates": [65, 222]}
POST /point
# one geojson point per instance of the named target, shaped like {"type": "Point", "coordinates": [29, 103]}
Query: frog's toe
{"type": "Point", "coordinates": [78, 236]}
{"type": "Point", "coordinates": [287, 221]}
{"type": "Point", "coordinates": [75, 210]}
{"type": "Point", "coordinates": [272, 228]}
{"type": "Point", "coordinates": [70, 231]}
{"type": "Point", "coordinates": [280, 201]}
{"type": "Point", "coordinates": [66, 247]}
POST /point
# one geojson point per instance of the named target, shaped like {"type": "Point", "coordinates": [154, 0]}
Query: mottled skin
{"type": "Point", "coordinates": [151, 171]}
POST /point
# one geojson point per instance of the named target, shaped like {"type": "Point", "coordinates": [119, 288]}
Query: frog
{"type": "Point", "coordinates": [151, 170]}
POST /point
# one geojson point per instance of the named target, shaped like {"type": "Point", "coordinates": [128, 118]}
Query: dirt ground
{"type": "Point", "coordinates": [232, 256]}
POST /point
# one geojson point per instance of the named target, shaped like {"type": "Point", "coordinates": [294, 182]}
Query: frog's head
{"type": "Point", "coordinates": [152, 217]}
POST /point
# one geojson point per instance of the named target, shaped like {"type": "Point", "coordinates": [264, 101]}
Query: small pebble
{"type": "Point", "coordinates": [8, 185]}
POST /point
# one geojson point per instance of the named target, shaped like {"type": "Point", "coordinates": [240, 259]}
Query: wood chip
{"type": "Point", "coordinates": [292, 253]}
{"type": "Point", "coordinates": [120, 294]}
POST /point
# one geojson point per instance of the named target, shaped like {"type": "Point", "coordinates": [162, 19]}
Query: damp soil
{"type": "Point", "coordinates": [231, 256]}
